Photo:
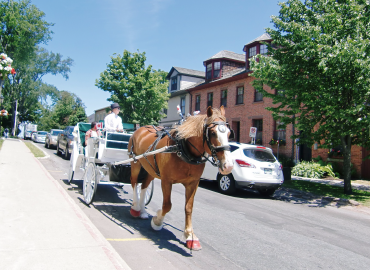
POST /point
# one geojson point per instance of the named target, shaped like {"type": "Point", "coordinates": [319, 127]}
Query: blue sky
{"type": "Point", "coordinates": [170, 32]}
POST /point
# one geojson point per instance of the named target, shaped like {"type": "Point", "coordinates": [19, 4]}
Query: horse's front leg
{"type": "Point", "coordinates": [157, 221]}
{"type": "Point", "coordinates": [192, 242]}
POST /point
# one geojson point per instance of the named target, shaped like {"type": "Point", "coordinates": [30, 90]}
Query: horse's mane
{"type": "Point", "coordinates": [193, 126]}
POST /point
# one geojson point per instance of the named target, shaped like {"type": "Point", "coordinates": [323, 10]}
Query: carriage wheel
{"type": "Point", "coordinates": [90, 183]}
{"type": "Point", "coordinates": [148, 193]}
{"type": "Point", "coordinates": [70, 170]}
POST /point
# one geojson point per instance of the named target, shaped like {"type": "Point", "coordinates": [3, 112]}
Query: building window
{"type": "Point", "coordinates": [209, 71]}
{"type": "Point", "coordinates": [197, 103]}
{"type": "Point", "coordinates": [173, 83]}
{"type": "Point", "coordinates": [263, 49]}
{"type": "Point", "coordinates": [182, 105]}
{"type": "Point", "coordinates": [279, 92]}
{"type": "Point", "coordinates": [165, 113]}
{"type": "Point", "coordinates": [209, 100]}
{"type": "Point", "coordinates": [257, 96]}
{"type": "Point", "coordinates": [279, 133]}
{"type": "Point", "coordinates": [239, 94]}
{"type": "Point", "coordinates": [224, 98]}
{"type": "Point", "coordinates": [252, 51]}
{"type": "Point", "coordinates": [216, 69]}
{"type": "Point", "coordinates": [258, 123]}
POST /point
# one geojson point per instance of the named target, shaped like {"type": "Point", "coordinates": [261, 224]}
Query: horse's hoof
{"type": "Point", "coordinates": [193, 245]}
{"type": "Point", "coordinates": [156, 227]}
{"type": "Point", "coordinates": [134, 213]}
{"type": "Point", "coordinates": [144, 215]}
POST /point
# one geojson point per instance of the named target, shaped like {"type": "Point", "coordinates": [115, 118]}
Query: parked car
{"type": "Point", "coordinates": [52, 137]}
{"type": "Point", "coordinates": [33, 136]}
{"type": "Point", "coordinates": [255, 167]}
{"type": "Point", "coordinates": [65, 141]}
{"type": "Point", "coordinates": [40, 136]}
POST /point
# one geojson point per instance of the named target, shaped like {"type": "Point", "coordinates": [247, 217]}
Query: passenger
{"type": "Point", "coordinates": [93, 132]}
{"type": "Point", "coordinates": [112, 122]}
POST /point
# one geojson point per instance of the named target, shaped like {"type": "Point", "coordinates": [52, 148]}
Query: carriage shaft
{"type": "Point", "coordinates": [160, 150]}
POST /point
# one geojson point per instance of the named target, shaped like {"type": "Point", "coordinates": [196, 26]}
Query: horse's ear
{"type": "Point", "coordinates": [222, 110]}
{"type": "Point", "coordinates": [209, 111]}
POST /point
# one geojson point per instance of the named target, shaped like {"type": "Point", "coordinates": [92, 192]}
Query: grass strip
{"type": "Point", "coordinates": [325, 190]}
{"type": "Point", "coordinates": [35, 150]}
{"type": "Point", "coordinates": [1, 143]}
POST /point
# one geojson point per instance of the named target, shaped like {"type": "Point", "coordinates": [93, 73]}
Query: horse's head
{"type": "Point", "coordinates": [216, 134]}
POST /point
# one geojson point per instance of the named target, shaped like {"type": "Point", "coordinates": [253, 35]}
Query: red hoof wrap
{"type": "Point", "coordinates": [193, 245]}
{"type": "Point", "coordinates": [134, 213]}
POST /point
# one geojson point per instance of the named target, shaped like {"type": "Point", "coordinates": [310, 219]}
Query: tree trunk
{"type": "Point", "coordinates": [346, 143]}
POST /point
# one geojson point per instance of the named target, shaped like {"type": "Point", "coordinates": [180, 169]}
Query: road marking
{"type": "Point", "coordinates": [127, 239]}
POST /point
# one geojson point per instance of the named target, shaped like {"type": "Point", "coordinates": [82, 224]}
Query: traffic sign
{"type": "Point", "coordinates": [253, 132]}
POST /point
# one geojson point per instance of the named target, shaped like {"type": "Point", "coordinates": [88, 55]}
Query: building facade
{"type": "Point", "coordinates": [180, 79]}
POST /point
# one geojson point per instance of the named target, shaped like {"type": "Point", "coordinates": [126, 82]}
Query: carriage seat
{"type": "Point", "coordinates": [114, 147]}
{"type": "Point", "coordinates": [117, 140]}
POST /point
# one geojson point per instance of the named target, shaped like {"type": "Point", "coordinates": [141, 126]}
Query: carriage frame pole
{"type": "Point", "coordinates": [160, 150]}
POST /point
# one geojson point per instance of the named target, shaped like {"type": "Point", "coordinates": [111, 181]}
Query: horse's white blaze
{"type": "Point", "coordinates": [227, 163]}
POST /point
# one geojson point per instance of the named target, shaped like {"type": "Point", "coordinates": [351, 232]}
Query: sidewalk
{"type": "Point", "coordinates": [41, 227]}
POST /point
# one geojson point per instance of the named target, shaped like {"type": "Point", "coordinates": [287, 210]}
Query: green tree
{"type": "Point", "coordinates": [22, 28]}
{"type": "Point", "coordinates": [320, 64]}
{"type": "Point", "coordinates": [68, 111]}
{"type": "Point", "coordinates": [141, 91]}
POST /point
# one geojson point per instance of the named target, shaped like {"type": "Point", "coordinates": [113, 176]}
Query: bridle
{"type": "Point", "coordinates": [222, 127]}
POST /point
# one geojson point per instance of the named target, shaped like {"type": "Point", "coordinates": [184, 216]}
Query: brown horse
{"type": "Point", "coordinates": [202, 135]}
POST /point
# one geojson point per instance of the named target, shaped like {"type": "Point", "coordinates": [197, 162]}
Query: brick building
{"type": "Point", "coordinates": [228, 82]}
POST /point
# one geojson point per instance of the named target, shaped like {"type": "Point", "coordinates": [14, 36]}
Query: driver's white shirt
{"type": "Point", "coordinates": [112, 122]}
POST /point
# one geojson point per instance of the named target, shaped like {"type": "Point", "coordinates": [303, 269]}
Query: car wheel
{"type": "Point", "coordinates": [267, 192]}
{"type": "Point", "coordinates": [58, 150]}
{"type": "Point", "coordinates": [226, 183]}
{"type": "Point", "coordinates": [66, 153]}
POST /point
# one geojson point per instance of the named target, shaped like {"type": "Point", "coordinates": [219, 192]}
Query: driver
{"type": "Point", "coordinates": [112, 122]}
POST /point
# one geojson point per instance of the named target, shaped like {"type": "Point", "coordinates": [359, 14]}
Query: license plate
{"type": "Point", "coordinates": [267, 171]}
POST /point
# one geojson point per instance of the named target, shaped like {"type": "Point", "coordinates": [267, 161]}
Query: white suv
{"type": "Point", "coordinates": [254, 167]}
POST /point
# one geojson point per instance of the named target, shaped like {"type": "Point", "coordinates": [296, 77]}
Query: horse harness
{"type": "Point", "coordinates": [182, 151]}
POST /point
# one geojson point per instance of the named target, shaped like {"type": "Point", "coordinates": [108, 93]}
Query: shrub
{"type": "Point", "coordinates": [286, 161]}
{"type": "Point", "coordinates": [312, 170]}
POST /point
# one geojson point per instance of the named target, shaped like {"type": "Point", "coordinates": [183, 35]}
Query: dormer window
{"type": "Point", "coordinates": [173, 83]}
{"type": "Point", "coordinates": [213, 70]}
{"type": "Point", "coordinates": [216, 69]}
{"type": "Point", "coordinates": [209, 71]}
{"type": "Point", "coordinates": [252, 51]}
{"type": "Point", "coordinates": [263, 49]}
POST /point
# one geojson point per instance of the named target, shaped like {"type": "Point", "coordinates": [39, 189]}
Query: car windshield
{"type": "Point", "coordinates": [70, 130]}
{"type": "Point", "coordinates": [259, 155]}
{"type": "Point", "coordinates": [55, 132]}
{"type": "Point", "coordinates": [42, 133]}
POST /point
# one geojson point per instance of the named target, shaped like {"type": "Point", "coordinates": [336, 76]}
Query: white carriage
{"type": "Point", "coordinates": [100, 159]}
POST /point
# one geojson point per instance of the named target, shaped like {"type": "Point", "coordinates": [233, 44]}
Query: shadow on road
{"type": "Point", "coordinates": [115, 203]}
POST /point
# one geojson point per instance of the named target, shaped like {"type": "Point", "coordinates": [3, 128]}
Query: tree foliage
{"type": "Point", "coordinates": [141, 91]}
{"type": "Point", "coordinates": [22, 30]}
{"type": "Point", "coordinates": [68, 111]}
{"type": "Point", "coordinates": [320, 63]}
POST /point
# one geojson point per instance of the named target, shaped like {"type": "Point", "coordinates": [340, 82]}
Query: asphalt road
{"type": "Point", "coordinates": [245, 231]}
